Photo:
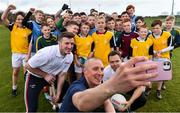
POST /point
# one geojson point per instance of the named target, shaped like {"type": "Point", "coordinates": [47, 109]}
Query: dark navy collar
{"type": "Point", "coordinates": [84, 81]}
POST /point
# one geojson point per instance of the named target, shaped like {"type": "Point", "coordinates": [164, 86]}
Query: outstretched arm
{"type": "Point", "coordinates": [5, 14]}
{"type": "Point", "coordinates": [126, 78]}
{"type": "Point", "coordinates": [26, 19]}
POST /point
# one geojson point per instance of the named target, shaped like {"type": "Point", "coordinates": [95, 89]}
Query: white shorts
{"type": "Point", "coordinates": [18, 59]}
{"type": "Point", "coordinates": [77, 69]}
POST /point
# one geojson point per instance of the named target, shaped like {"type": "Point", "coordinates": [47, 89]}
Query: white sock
{"type": "Point", "coordinates": [14, 87]}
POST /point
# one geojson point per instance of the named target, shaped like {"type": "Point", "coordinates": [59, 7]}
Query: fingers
{"type": "Point", "coordinates": [32, 10]}
{"type": "Point", "coordinates": [135, 60]}
{"type": "Point", "coordinates": [52, 80]}
{"type": "Point", "coordinates": [140, 83]}
{"type": "Point", "coordinates": [12, 7]}
{"type": "Point", "coordinates": [144, 77]}
{"type": "Point", "coordinates": [143, 68]}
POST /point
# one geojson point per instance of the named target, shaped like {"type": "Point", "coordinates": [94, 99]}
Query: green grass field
{"type": "Point", "coordinates": [9, 103]}
{"type": "Point", "coordinates": [170, 101]}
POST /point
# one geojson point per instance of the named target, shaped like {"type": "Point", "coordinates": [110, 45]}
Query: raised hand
{"type": "Point", "coordinates": [11, 7]}
{"type": "Point", "coordinates": [32, 10]}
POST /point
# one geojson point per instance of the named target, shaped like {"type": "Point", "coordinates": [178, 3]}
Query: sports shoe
{"type": "Point", "coordinates": [163, 86]}
{"type": "Point", "coordinates": [14, 92]}
{"type": "Point", "coordinates": [48, 97]}
{"type": "Point", "coordinates": [147, 91]}
{"type": "Point", "coordinates": [158, 94]}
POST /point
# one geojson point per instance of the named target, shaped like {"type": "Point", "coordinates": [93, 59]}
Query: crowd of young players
{"type": "Point", "coordinates": [96, 35]}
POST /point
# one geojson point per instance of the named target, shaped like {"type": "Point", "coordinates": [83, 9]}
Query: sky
{"type": "Point", "coordinates": [142, 7]}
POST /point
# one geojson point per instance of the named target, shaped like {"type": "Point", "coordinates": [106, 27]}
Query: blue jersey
{"type": "Point", "coordinates": [55, 32]}
{"type": "Point", "coordinates": [36, 32]}
{"type": "Point", "coordinates": [91, 31]}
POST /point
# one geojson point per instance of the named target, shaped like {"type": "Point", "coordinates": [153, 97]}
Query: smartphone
{"type": "Point", "coordinates": [164, 69]}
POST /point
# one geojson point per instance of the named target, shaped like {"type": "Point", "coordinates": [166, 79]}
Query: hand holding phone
{"type": "Point", "coordinates": [164, 69]}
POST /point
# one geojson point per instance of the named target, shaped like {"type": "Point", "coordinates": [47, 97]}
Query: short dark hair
{"type": "Point", "coordinates": [139, 18]}
{"type": "Point", "coordinates": [118, 20]}
{"type": "Point", "coordinates": [85, 23]}
{"type": "Point", "coordinates": [113, 53]}
{"type": "Point", "coordinates": [66, 34]}
{"type": "Point", "coordinates": [109, 18]}
{"type": "Point", "coordinates": [129, 7]}
{"type": "Point", "coordinates": [126, 20]}
{"type": "Point", "coordinates": [76, 14]}
{"type": "Point", "coordinates": [119, 16]}
{"type": "Point", "coordinates": [91, 15]}
{"type": "Point", "coordinates": [19, 13]}
{"type": "Point", "coordinates": [69, 11]}
{"type": "Point", "coordinates": [124, 12]}
{"type": "Point", "coordinates": [93, 10]}
{"type": "Point", "coordinates": [101, 13]}
{"type": "Point", "coordinates": [72, 23]}
{"type": "Point", "coordinates": [44, 24]}
{"type": "Point", "coordinates": [156, 22]}
{"type": "Point", "coordinates": [82, 13]}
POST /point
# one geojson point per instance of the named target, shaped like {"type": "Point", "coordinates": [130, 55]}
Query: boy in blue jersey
{"type": "Point", "coordinates": [35, 26]}
{"type": "Point", "coordinates": [131, 10]}
{"type": "Point", "coordinates": [51, 22]}
{"type": "Point", "coordinates": [91, 20]}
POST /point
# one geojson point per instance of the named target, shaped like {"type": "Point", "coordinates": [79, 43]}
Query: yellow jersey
{"type": "Point", "coordinates": [83, 45]}
{"type": "Point", "coordinates": [161, 43]}
{"type": "Point", "coordinates": [102, 46]}
{"type": "Point", "coordinates": [19, 39]}
{"type": "Point", "coordinates": [141, 48]}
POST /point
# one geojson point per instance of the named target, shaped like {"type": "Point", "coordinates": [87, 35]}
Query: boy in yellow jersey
{"type": "Point", "coordinates": [83, 43]}
{"type": "Point", "coordinates": [142, 45]}
{"type": "Point", "coordinates": [103, 41]}
{"type": "Point", "coordinates": [162, 45]}
{"type": "Point", "coordinates": [19, 43]}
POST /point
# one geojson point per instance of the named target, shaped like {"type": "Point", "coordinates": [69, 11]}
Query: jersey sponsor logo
{"type": "Point", "coordinates": [33, 86]}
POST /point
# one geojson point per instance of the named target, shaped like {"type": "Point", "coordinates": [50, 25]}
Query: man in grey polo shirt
{"type": "Point", "coordinates": [43, 68]}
